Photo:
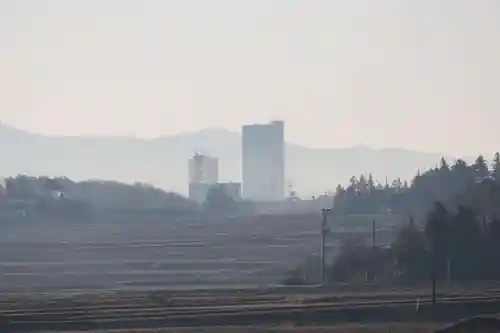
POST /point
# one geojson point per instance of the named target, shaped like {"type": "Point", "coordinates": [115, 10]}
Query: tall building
{"type": "Point", "coordinates": [203, 169]}
{"type": "Point", "coordinates": [263, 161]}
{"type": "Point", "coordinates": [203, 174]}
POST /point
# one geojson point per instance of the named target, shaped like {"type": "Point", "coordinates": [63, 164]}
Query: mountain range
{"type": "Point", "coordinates": [163, 161]}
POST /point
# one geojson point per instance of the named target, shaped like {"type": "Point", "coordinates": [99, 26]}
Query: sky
{"type": "Point", "coordinates": [388, 73]}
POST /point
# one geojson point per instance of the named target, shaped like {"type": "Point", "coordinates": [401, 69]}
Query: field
{"type": "Point", "coordinates": [288, 309]}
{"type": "Point", "coordinates": [184, 275]}
{"type": "Point", "coordinates": [179, 254]}
{"type": "Point", "coordinates": [353, 328]}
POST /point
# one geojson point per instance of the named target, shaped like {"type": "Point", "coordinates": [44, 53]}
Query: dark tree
{"type": "Point", "coordinates": [481, 168]}
{"type": "Point", "coordinates": [218, 201]}
{"type": "Point", "coordinates": [496, 167]}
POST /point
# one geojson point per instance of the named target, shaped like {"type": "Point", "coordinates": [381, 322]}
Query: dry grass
{"type": "Point", "coordinates": [131, 304]}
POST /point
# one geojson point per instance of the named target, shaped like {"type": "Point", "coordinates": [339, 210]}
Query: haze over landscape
{"type": "Point", "coordinates": [163, 161]}
{"type": "Point", "coordinates": [386, 74]}
{"type": "Point", "coordinates": [390, 106]}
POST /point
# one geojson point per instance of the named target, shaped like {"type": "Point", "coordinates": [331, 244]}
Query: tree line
{"type": "Point", "coordinates": [40, 197]}
{"type": "Point", "coordinates": [454, 184]}
{"type": "Point", "coordinates": [457, 244]}
{"type": "Point", "coordinates": [456, 236]}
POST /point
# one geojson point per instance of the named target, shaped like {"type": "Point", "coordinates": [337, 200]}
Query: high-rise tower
{"type": "Point", "coordinates": [263, 161]}
{"type": "Point", "coordinates": [203, 175]}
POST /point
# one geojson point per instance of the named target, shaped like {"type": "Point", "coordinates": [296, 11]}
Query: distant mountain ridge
{"type": "Point", "coordinates": [163, 161]}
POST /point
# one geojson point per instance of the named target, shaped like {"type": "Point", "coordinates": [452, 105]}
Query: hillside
{"type": "Point", "coordinates": [163, 161]}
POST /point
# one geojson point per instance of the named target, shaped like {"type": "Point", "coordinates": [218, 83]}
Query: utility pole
{"type": "Point", "coordinates": [371, 276]}
{"type": "Point", "coordinates": [434, 269]}
{"type": "Point", "coordinates": [324, 231]}
{"type": "Point", "coordinates": [374, 232]}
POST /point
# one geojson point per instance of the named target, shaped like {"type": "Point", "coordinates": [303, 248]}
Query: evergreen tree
{"type": "Point", "coordinates": [496, 167]}
{"type": "Point", "coordinates": [362, 184]}
{"type": "Point", "coordinates": [481, 168]}
{"type": "Point", "coordinates": [444, 164]}
{"type": "Point", "coordinates": [371, 184]}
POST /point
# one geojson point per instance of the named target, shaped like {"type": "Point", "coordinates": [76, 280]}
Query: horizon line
{"type": "Point", "coordinates": [4, 125]}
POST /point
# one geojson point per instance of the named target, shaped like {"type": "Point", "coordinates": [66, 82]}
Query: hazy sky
{"type": "Point", "coordinates": [420, 74]}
